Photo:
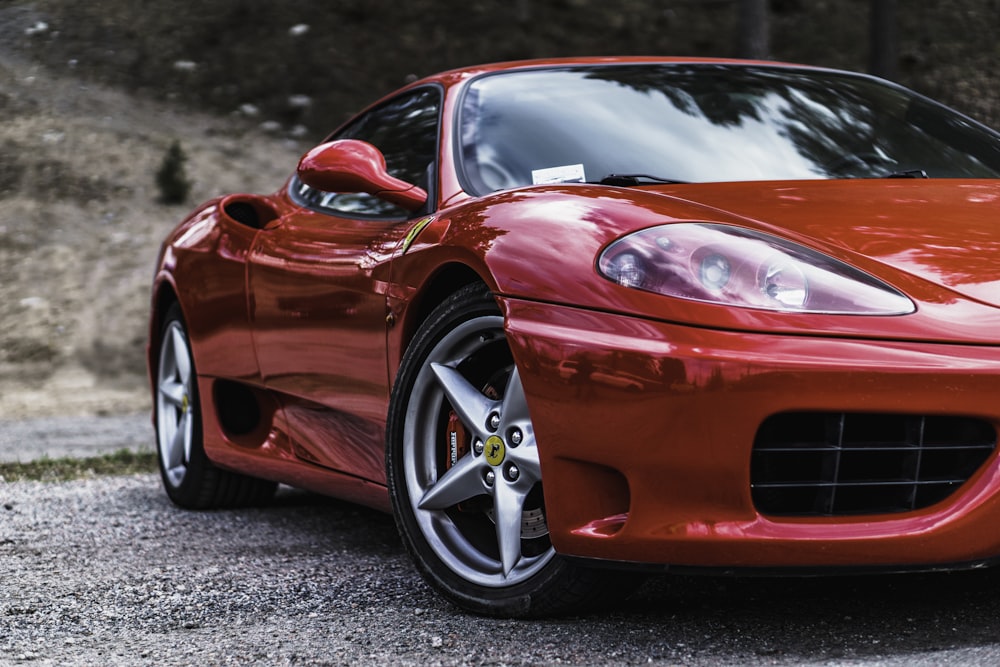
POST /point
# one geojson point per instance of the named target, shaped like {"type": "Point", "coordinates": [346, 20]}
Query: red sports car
{"type": "Point", "coordinates": [571, 319]}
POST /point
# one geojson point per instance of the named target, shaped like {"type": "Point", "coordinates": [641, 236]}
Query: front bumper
{"type": "Point", "coordinates": [645, 432]}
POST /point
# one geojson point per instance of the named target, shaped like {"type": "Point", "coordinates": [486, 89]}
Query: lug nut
{"type": "Point", "coordinates": [491, 478]}
{"type": "Point", "coordinates": [493, 421]}
{"type": "Point", "coordinates": [516, 437]}
{"type": "Point", "coordinates": [513, 473]}
{"type": "Point", "coordinates": [478, 447]}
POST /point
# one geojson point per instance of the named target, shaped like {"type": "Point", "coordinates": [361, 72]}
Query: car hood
{"type": "Point", "coordinates": [943, 231]}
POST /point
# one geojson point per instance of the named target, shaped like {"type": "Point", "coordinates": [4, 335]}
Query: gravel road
{"type": "Point", "coordinates": [106, 571]}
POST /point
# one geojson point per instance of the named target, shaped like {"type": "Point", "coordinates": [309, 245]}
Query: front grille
{"type": "Point", "coordinates": [831, 464]}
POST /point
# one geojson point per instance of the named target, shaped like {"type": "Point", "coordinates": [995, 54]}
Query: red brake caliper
{"type": "Point", "coordinates": [458, 440]}
{"type": "Point", "coordinates": [458, 445]}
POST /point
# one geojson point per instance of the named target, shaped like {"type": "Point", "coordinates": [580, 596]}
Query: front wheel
{"type": "Point", "coordinates": [464, 474]}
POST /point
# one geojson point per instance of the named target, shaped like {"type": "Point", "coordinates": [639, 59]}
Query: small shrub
{"type": "Point", "coordinates": [171, 178]}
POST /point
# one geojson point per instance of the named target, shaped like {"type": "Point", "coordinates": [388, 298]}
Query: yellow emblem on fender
{"type": "Point", "coordinates": [415, 230]}
{"type": "Point", "coordinates": [494, 450]}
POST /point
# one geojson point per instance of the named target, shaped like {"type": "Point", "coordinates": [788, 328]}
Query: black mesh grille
{"type": "Point", "coordinates": [822, 464]}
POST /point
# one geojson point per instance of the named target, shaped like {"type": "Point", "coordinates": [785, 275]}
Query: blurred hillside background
{"type": "Point", "coordinates": [94, 93]}
{"type": "Point", "coordinates": [310, 63]}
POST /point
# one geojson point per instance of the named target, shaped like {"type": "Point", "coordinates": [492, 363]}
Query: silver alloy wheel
{"type": "Point", "coordinates": [501, 469]}
{"type": "Point", "coordinates": [174, 404]}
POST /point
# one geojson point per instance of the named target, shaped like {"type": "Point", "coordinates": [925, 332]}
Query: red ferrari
{"type": "Point", "coordinates": [574, 319]}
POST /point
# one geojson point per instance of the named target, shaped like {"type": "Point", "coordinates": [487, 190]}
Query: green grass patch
{"type": "Point", "coordinates": [122, 462]}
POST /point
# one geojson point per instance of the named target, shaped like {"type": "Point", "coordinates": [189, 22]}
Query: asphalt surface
{"type": "Point", "coordinates": [106, 571]}
{"type": "Point", "coordinates": [58, 437]}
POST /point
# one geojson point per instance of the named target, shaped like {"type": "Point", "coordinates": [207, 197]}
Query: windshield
{"type": "Point", "coordinates": [703, 123]}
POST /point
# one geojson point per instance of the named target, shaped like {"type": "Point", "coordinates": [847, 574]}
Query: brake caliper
{"type": "Point", "coordinates": [458, 440]}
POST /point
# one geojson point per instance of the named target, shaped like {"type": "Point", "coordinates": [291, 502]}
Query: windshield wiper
{"type": "Point", "coordinates": [629, 180]}
{"type": "Point", "coordinates": [909, 173]}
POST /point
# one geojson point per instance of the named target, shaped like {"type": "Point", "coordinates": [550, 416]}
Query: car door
{"type": "Point", "coordinates": [317, 280]}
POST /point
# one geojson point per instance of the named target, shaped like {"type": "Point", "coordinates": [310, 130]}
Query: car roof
{"type": "Point", "coordinates": [461, 73]}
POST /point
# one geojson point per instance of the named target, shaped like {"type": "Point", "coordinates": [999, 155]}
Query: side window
{"type": "Point", "coordinates": [405, 129]}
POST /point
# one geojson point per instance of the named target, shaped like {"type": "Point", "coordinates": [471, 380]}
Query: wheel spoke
{"type": "Point", "coordinates": [515, 407]}
{"type": "Point", "coordinates": [469, 403]}
{"type": "Point", "coordinates": [507, 509]}
{"type": "Point", "coordinates": [463, 481]}
{"type": "Point", "coordinates": [173, 392]}
{"type": "Point", "coordinates": [187, 423]}
{"type": "Point", "coordinates": [177, 449]}
{"type": "Point", "coordinates": [181, 355]}
{"type": "Point", "coordinates": [515, 413]}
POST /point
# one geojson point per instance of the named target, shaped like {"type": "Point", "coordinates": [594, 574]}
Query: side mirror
{"type": "Point", "coordinates": [349, 165]}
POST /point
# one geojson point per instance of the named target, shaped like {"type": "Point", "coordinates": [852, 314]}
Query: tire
{"type": "Point", "coordinates": [464, 476]}
{"type": "Point", "coordinates": [189, 478]}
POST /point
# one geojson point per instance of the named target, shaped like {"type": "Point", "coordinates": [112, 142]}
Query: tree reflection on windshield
{"type": "Point", "coordinates": [711, 122]}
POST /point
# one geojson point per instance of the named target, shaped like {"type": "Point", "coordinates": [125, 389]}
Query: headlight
{"type": "Point", "coordinates": [742, 267]}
